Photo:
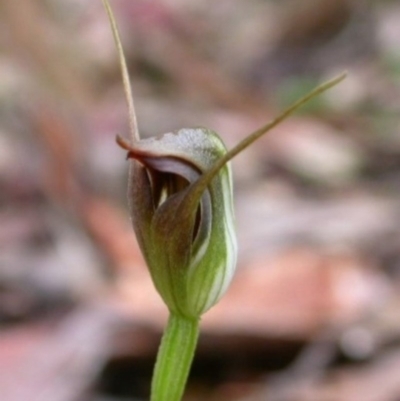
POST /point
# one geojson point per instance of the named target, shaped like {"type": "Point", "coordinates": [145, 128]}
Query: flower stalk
{"type": "Point", "coordinates": [181, 206]}
{"type": "Point", "coordinates": [170, 373]}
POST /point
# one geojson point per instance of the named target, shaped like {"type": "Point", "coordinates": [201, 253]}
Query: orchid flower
{"type": "Point", "coordinates": [181, 206]}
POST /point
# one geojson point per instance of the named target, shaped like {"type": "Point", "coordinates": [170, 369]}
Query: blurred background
{"type": "Point", "coordinates": [314, 310]}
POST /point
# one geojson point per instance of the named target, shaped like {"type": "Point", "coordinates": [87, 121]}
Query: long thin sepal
{"type": "Point", "coordinates": [201, 184]}
{"type": "Point", "coordinates": [125, 76]}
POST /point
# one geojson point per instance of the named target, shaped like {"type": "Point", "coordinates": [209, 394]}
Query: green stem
{"type": "Point", "coordinates": [174, 358]}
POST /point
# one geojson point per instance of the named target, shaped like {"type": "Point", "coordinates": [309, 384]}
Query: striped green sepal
{"type": "Point", "coordinates": [188, 241]}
